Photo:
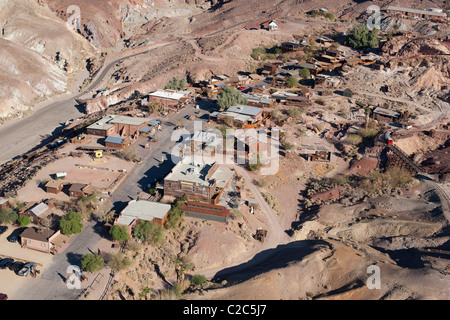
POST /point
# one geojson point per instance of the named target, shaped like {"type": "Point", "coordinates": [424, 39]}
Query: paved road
{"type": "Point", "coordinates": [51, 285]}
{"type": "Point", "coordinates": [21, 135]}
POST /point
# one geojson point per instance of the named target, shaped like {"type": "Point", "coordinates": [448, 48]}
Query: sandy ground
{"type": "Point", "coordinates": [10, 282]}
{"type": "Point", "coordinates": [101, 174]}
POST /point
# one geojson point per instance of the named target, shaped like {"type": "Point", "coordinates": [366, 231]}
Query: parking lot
{"type": "Point", "coordinates": [10, 282]}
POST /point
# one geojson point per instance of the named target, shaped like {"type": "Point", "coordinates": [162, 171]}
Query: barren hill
{"type": "Point", "coordinates": [39, 54]}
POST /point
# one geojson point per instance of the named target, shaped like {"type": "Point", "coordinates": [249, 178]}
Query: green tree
{"type": "Point", "coordinates": [361, 37]}
{"type": "Point", "coordinates": [229, 97]}
{"type": "Point", "coordinates": [176, 83]}
{"type": "Point", "coordinates": [149, 232]}
{"type": "Point", "coordinates": [119, 233]}
{"type": "Point", "coordinates": [92, 262]}
{"type": "Point", "coordinates": [8, 216]}
{"type": "Point", "coordinates": [292, 82]}
{"type": "Point", "coordinates": [70, 223]}
{"type": "Point", "coordinates": [304, 73]}
{"type": "Point", "coordinates": [24, 221]}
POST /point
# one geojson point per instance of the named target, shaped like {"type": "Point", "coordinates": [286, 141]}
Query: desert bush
{"type": "Point", "coordinates": [198, 280]}
{"type": "Point", "coordinates": [176, 214]}
{"type": "Point", "coordinates": [119, 262]}
{"type": "Point", "coordinates": [176, 84]}
{"type": "Point", "coordinates": [261, 183]}
{"type": "Point", "coordinates": [149, 232]}
{"type": "Point", "coordinates": [354, 139]}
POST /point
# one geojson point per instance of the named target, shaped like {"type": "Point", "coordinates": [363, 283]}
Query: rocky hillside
{"type": "Point", "coordinates": [39, 54]}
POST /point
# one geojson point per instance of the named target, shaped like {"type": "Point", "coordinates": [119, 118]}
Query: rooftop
{"type": "Point", "coordinates": [245, 110]}
{"type": "Point", "coordinates": [143, 210]}
{"type": "Point", "coordinates": [35, 233]}
{"type": "Point", "coordinates": [169, 94]}
{"type": "Point", "coordinates": [39, 209]}
{"type": "Point", "coordinates": [411, 10]}
{"type": "Point", "coordinates": [386, 112]}
{"type": "Point", "coordinates": [107, 122]}
{"type": "Point", "coordinates": [197, 172]}
{"type": "Point", "coordinates": [112, 139]}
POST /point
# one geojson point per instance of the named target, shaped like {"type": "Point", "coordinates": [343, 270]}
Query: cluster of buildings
{"type": "Point", "coordinates": [202, 183]}
{"type": "Point", "coordinates": [435, 14]}
{"type": "Point", "coordinates": [120, 131]}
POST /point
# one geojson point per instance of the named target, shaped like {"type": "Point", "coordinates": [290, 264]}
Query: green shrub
{"type": "Point", "coordinates": [24, 221]}
{"type": "Point", "coordinates": [198, 280]}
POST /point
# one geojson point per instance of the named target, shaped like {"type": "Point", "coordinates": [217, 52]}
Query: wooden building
{"type": "Point", "coordinates": [206, 211]}
{"type": "Point", "coordinates": [54, 186]}
{"type": "Point", "coordinates": [116, 142]}
{"type": "Point", "coordinates": [143, 210]}
{"type": "Point", "coordinates": [80, 190]}
{"type": "Point", "coordinates": [199, 181]}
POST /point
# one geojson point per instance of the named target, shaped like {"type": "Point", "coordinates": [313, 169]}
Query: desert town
{"type": "Point", "coordinates": [159, 188]}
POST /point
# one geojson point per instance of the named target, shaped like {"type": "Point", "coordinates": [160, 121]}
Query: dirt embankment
{"type": "Point", "coordinates": [406, 239]}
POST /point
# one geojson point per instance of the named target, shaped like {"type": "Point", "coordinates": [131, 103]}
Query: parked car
{"type": "Point", "coordinates": [5, 263]}
{"type": "Point", "coordinates": [16, 266]}
{"type": "Point", "coordinates": [3, 229]}
{"type": "Point", "coordinates": [26, 269]}
{"type": "Point", "coordinates": [3, 296]}
{"type": "Point", "coordinates": [15, 235]}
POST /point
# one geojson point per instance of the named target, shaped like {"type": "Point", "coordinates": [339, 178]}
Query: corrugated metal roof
{"type": "Point", "coordinates": [245, 110]}
{"type": "Point", "coordinates": [146, 210]}
{"type": "Point", "coordinates": [39, 209]}
{"type": "Point", "coordinates": [112, 139]}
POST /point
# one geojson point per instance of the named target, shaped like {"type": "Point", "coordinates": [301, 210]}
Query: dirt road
{"type": "Point", "coordinates": [275, 234]}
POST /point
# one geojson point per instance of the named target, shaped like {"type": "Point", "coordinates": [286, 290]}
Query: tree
{"type": "Point", "coordinates": [149, 232]}
{"type": "Point", "coordinates": [92, 262]}
{"type": "Point", "coordinates": [155, 107]}
{"type": "Point", "coordinates": [24, 221]}
{"type": "Point", "coordinates": [229, 97]}
{"type": "Point", "coordinates": [292, 82]}
{"type": "Point", "coordinates": [119, 233]}
{"type": "Point", "coordinates": [176, 84]}
{"type": "Point", "coordinates": [361, 37]}
{"type": "Point", "coordinates": [8, 216]}
{"type": "Point", "coordinates": [304, 73]}
{"type": "Point", "coordinates": [70, 223]}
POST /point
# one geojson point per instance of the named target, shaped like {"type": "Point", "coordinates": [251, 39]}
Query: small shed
{"type": "Point", "coordinates": [348, 92]}
{"type": "Point", "coordinates": [115, 142]}
{"type": "Point", "coordinates": [4, 203]}
{"type": "Point", "coordinates": [54, 186]}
